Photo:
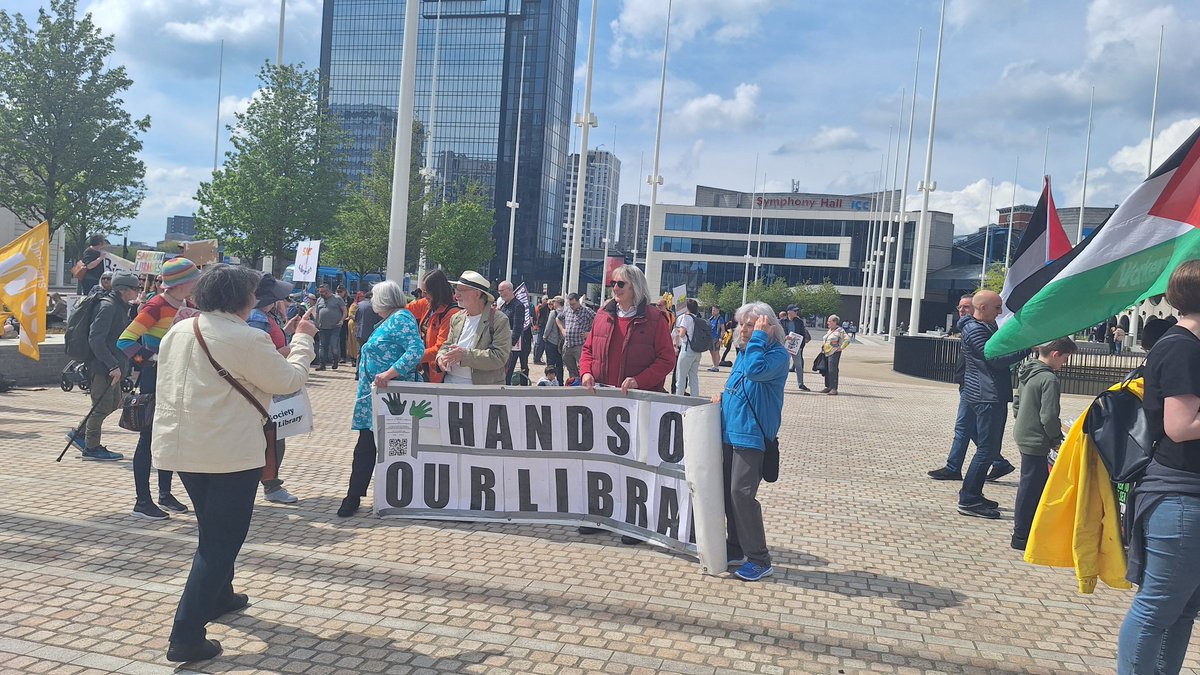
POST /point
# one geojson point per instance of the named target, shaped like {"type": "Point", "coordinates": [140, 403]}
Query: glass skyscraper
{"type": "Point", "coordinates": [474, 120]}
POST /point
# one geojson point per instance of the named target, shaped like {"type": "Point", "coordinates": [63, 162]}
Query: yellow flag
{"type": "Point", "coordinates": [24, 274]}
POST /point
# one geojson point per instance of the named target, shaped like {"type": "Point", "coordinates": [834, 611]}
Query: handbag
{"type": "Point", "coordinates": [770, 465]}
{"type": "Point", "coordinates": [821, 363]}
{"type": "Point", "coordinates": [79, 270]}
{"type": "Point", "coordinates": [137, 412]}
{"type": "Point", "coordinates": [270, 468]}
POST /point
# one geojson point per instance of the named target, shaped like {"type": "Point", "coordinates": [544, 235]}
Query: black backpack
{"type": "Point", "coordinates": [79, 327]}
{"type": "Point", "coordinates": [701, 339]}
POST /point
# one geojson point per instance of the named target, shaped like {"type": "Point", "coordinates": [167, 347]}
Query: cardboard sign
{"type": "Point", "coordinates": [148, 262]}
{"type": "Point", "coordinates": [308, 253]}
{"type": "Point", "coordinates": [794, 342]}
{"type": "Point", "coordinates": [203, 252]}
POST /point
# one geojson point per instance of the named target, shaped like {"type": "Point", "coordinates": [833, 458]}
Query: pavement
{"type": "Point", "coordinates": [875, 570]}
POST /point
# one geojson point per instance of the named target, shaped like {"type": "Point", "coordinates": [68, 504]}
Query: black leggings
{"type": "Point", "coordinates": [363, 465]}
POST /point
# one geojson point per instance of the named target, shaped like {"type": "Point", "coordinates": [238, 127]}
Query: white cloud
{"type": "Point", "coordinates": [638, 30]}
{"type": "Point", "coordinates": [1132, 158]}
{"type": "Point", "coordinates": [961, 12]}
{"type": "Point", "coordinates": [231, 105]}
{"type": "Point", "coordinates": [713, 112]}
{"type": "Point", "coordinates": [969, 204]}
{"type": "Point", "coordinates": [826, 139]}
{"type": "Point", "coordinates": [685, 165]}
{"type": "Point", "coordinates": [170, 191]}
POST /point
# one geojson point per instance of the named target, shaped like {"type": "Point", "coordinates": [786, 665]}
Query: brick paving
{"type": "Point", "coordinates": [875, 572]}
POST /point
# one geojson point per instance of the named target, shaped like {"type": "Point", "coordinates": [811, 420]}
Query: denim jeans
{"type": "Point", "coordinates": [224, 503]}
{"type": "Point", "coordinates": [964, 429]}
{"type": "Point", "coordinates": [798, 366]}
{"type": "Point", "coordinates": [687, 369]}
{"type": "Point", "coordinates": [990, 419]}
{"type": "Point", "coordinates": [327, 346]}
{"type": "Point", "coordinates": [539, 348]}
{"type": "Point", "coordinates": [1154, 637]}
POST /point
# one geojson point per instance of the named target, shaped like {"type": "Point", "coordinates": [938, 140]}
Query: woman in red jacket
{"type": "Point", "coordinates": [630, 342]}
{"type": "Point", "coordinates": [433, 312]}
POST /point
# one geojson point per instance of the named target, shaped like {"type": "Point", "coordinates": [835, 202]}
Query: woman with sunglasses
{"type": "Point", "coordinates": [630, 343]}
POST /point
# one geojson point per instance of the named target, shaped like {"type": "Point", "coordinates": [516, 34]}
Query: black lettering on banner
{"type": "Point", "coordinates": [437, 485]}
{"type": "Point", "coordinates": [618, 419]}
{"type": "Point", "coordinates": [561, 503]}
{"type": "Point", "coordinates": [460, 420]}
{"type": "Point", "coordinates": [523, 484]}
{"type": "Point", "coordinates": [636, 495]}
{"type": "Point", "coordinates": [538, 428]}
{"type": "Point", "coordinates": [579, 428]}
{"type": "Point", "coordinates": [670, 438]}
{"type": "Point", "coordinates": [668, 512]}
{"type": "Point", "coordinates": [483, 489]}
{"type": "Point", "coordinates": [498, 434]}
{"type": "Point", "coordinates": [398, 485]}
{"type": "Point", "coordinates": [599, 491]}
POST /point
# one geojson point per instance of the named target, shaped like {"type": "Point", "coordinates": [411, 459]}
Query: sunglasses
{"type": "Point", "coordinates": [619, 283]}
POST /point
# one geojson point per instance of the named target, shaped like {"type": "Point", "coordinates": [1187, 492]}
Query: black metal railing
{"type": "Point", "coordinates": [1088, 373]}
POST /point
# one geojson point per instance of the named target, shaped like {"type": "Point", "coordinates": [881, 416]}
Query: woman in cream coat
{"type": "Point", "coordinates": [209, 434]}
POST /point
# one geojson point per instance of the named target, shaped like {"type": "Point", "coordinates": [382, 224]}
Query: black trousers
{"type": "Point", "coordinates": [223, 503]}
{"type": "Point", "coordinates": [363, 466]}
{"type": "Point", "coordinates": [833, 361]}
{"type": "Point", "coordinates": [1034, 474]}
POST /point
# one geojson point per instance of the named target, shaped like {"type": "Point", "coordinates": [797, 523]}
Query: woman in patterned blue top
{"type": "Point", "coordinates": [392, 353]}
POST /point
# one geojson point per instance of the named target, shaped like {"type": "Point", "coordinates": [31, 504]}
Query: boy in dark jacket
{"type": "Point", "coordinates": [1037, 429]}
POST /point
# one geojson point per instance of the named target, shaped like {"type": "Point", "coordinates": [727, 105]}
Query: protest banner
{"type": "Point", "coordinates": [554, 455]}
{"type": "Point", "coordinates": [148, 262]}
{"type": "Point", "coordinates": [680, 295]}
{"type": "Point", "coordinates": [308, 253]}
{"type": "Point", "coordinates": [794, 342]}
{"type": "Point", "coordinates": [202, 252]}
{"type": "Point", "coordinates": [292, 414]}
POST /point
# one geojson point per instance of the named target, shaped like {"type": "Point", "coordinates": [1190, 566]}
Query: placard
{"type": "Point", "coordinates": [308, 253]}
{"type": "Point", "coordinates": [794, 342]}
{"type": "Point", "coordinates": [292, 414]}
{"type": "Point", "coordinates": [202, 252]}
{"type": "Point", "coordinates": [148, 262]}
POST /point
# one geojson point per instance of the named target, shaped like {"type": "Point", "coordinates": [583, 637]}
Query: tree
{"type": "Point", "coordinates": [993, 280]}
{"type": "Point", "coordinates": [461, 239]}
{"type": "Point", "coordinates": [823, 300]}
{"type": "Point", "coordinates": [708, 295]}
{"type": "Point", "coordinates": [68, 149]}
{"type": "Point", "coordinates": [778, 295]}
{"type": "Point", "coordinates": [281, 183]}
{"type": "Point", "coordinates": [730, 297]}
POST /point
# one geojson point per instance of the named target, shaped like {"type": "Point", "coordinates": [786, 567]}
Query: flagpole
{"type": "Point", "coordinates": [398, 219]}
{"type": "Point", "coordinates": [758, 249]}
{"type": "Point", "coordinates": [920, 251]}
{"type": "Point", "coordinates": [429, 173]}
{"type": "Point", "coordinates": [884, 226]}
{"type": "Point", "coordinates": [749, 232]}
{"type": "Point", "coordinates": [912, 117]}
{"type": "Point", "coordinates": [884, 309]}
{"type": "Point", "coordinates": [655, 180]}
{"type": "Point", "coordinates": [512, 203]}
{"type": "Point", "coordinates": [876, 226]}
{"type": "Point", "coordinates": [220, 76]}
{"type": "Point", "coordinates": [637, 222]}
{"type": "Point", "coordinates": [1046, 156]}
{"type": "Point", "coordinates": [1154, 105]}
{"type": "Point", "coordinates": [1087, 151]}
{"type": "Point", "coordinates": [586, 121]}
{"type": "Point", "coordinates": [1011, 214]}
{"type": "Point", "coordinates": [987, 231]}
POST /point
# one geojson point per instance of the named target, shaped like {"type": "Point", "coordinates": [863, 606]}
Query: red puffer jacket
{"type": "Point", "coordinates": [645, 352]}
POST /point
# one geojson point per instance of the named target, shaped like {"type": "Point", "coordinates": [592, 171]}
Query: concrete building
{"type": "Point", "coordinates": [635, 227]}
{"type": "Point", "coordinates": [181, 228]}
{"type": "Point", "coordinates": [600, 198]}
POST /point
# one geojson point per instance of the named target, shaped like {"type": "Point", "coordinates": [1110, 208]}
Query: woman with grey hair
{"type": "Point", "coordinates": [751, 413]}
{"type": "Point", "coordinates": [832, 347]}
{"type": "Point", "coordinates": [629, 345]}
{"type": "Point", "coordinates": [216, 375]}
{"type": "Point", "coordinates": [391, 353]}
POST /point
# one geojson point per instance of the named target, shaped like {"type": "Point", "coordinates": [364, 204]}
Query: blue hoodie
{"type": "Point", "coordinates": [757, 383]}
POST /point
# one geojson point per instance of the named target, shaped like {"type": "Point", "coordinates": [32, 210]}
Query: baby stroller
{"type": "Point", "coordinates": [75, 374]}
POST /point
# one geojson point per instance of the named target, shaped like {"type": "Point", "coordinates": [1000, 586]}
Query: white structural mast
{"type": "Point", "coordinates": [912, 116]}
{"type": "Point", "coordinates": [512, 203]}
{"type": "Point", "coordinates": [884, 309]}
{"type": "Point", "coordinates": [655, 179]}
{"type": "Point", "coordinates": [398, 222]}
{"type": "Point", "coordinates": [586, 121]}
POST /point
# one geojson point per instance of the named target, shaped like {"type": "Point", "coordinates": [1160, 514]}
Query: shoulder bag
{"type": "Point", "coordinates": [770, 465]}
{"type": "Point", "coordinates": [270, 468]}
{"type": "Point", "coordinates": [137, 412]}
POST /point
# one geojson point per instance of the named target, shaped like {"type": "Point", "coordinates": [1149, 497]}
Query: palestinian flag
{"type": "Point", "coordinates": [1043, 242]}
{"type": "Point", "coordinates": [1126, 260]}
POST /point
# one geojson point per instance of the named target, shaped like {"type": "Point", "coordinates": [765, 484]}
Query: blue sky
{"type": "Point", "coordinates": [811, 88]}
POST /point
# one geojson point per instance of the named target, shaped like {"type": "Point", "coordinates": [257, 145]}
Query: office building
{"type": "Point", "coordinates": [474, 120]}
{"type": "Point", "coordinates": [181, 228]}
{"type": "Point", "coordinates": [635, 227]}
{"type": "Point", "coordinates": [600, 197]}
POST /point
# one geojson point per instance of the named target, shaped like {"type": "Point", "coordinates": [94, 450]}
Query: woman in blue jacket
{"type": "Point", "coordinates": [751, 411]}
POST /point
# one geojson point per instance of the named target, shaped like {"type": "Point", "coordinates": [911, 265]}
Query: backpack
{"type": "Point", "coordinates": [701, 339]}
{"type": "Point", "coordinates": [79, 327]}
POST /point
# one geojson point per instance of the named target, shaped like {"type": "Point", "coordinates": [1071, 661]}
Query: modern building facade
{"type": "Point", "coordinates": [799, 238]}
{"type": "Point", "coordinates": [181, 228]}
{"type": "Point", "coordinates": [635, 227]}
{"type": "Point", "coordinates": [473, 120]}
{"type": "Point", "coordinates": [600, 197]}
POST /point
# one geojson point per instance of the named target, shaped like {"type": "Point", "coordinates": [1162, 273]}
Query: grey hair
{"type": "Point", "coordinates": [836, 319]}
{"type": "Point", "coordinates": [387, 297]}
{"type": "Point", "coordinates": [752, 310]}
{"type": "Point", "coordinates": [637, 282]}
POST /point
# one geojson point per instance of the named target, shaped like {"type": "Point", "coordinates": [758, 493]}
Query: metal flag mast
{"type": "Point", "coordinates": [912, 118]}
{"type": "Point", "coordinates": [654, 180]}
{"type": "Point", "coordinates": [884, 309]}
{"type": "Point", "coordinates": [987, 230]}
{"type": "Point", "coordinates": [1012, 212]}
{"type": "Point", "coordinates": [921, 242]}
{"type": "Point", "coordinates": [749, 232]}
{"type": "Point", "coordinates": [586, 121]}
{"type": "Point", "coordinates": [398, 221]}
{"type": "Point", "coordinates": [1087, 151]}
{"type": "Point", "coordinates": [512, 203]}
{"type": "Point", "coordinates": [873, 234]}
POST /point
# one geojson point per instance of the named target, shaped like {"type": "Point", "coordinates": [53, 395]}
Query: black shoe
{"type": "Point", "coordinates": [320, 367]}
{"type": "Point", "coordinates": [996, 474]}
{"type": "Point", "coordinates": [236, 602]}
{"type": "Point", "coordinates": [335, 365]}
{"type": "Point", "coordinates": [179, 653]}
{"type": "Point", "coordinates": [630, 541]}
{"type": "Point", "coordinates": [990, 504]}
{"type": "Point", "coordinates": [349, 507]}
{"type": "Point", "coordinates": [170, 503]}
{"type": "Point", "coordinates": [945, 474]}
{"type": "Point", "coordinates": [979, 511]}
{"type": "Point", "coordinates": [804, 388]}
{"type": "Point", "coordinates": [1018, 544]}
{"type": "Point", "coordinates": [590, 530]}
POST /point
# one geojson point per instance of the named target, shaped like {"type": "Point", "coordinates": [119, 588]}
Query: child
{"type": "Point", "coordinates": [550, 380]}
{"type": "Point", "coordinates": [1037, 429]}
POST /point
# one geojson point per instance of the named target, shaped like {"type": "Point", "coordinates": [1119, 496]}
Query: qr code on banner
{"type": "Point", "coordinates": [397, 447]}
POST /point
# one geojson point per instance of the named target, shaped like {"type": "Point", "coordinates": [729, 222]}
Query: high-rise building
{"type": "Point", "coordinates": [181, 228]}
{"type": "Point", "coordinates": [474, 118]}
{"type": "Point", "coordinates": [600, 197]}
{"type": "Point", "coordinates": [635, 227]}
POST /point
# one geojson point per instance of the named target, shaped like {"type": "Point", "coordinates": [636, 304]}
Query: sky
{"type": "Point", "coordinates": [809, 92]}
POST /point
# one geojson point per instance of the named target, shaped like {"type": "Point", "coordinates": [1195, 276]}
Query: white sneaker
{"type": "Point", "coordinates": [281, 496]}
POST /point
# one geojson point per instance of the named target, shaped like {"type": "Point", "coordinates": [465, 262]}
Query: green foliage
{"type": "Point", "coordinates": [821, 300]}
{"type": "Point", "coordinates": [282, 181]}
{"type": "Point", "coordinates": [707, 296]}
{"type": "Point", "coordinates": [993, 280]}
{"type": "Point", "coordinates": [461, 238]}
{"type": "Point", "coordinates": [730, 297]}
{"type": "Point", "coordinates": [68, 149]}
{"type": "Point", "coordinates": [777, 295]}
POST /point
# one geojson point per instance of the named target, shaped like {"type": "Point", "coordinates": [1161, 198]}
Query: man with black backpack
{"type": "Point", "coordinates": [106, 318]}
{"type": "Point", "coordinates": [693, 338]}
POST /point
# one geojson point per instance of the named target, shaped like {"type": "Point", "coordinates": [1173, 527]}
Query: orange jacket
{"type": "Point", "coordinates": [434, 332]}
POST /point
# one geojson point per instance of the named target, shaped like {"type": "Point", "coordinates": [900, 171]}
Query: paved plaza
{"type": "Point", "coordinates": [875, 571]}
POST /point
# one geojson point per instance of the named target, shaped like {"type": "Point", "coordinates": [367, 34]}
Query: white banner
{"type": "Point", "coordinates": [308, 253]}
{"type": "Point", "coordinates": [553, 455]}
{"type": "Point", "coordinates": [292, 414]}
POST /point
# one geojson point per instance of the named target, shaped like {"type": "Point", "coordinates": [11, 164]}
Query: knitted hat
{"type": "Point", "coordinates": [179, 271]}
{"type": "Point", "coordinates": [123, 279]}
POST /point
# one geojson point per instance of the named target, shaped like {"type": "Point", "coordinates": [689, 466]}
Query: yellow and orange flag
{"type": "Point", "coordinates": [24, 274]}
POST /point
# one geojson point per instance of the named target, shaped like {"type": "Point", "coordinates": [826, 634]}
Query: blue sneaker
{"type": "Point", "coordinates": [101, 454]}
{"type": "Point", "coordinates": [752, 571]}
{"type": "Point", "coordinates": [76, 440]}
